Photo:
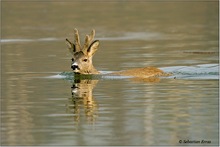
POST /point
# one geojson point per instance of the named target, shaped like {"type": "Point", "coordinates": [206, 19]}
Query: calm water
{"type": "Point", "coordinates": [42, 104]}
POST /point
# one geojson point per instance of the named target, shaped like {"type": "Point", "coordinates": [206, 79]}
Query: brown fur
{"type": "Point", "coordinates": [141, 72]}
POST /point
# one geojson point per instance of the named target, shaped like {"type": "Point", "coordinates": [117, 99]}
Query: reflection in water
{"type": "Point", "coordinates": [146, 80]}
{"type": "Point", "coordinates": [82, 100]}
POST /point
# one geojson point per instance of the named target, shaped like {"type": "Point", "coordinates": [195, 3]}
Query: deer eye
{"type": "Point", "coordinates": [85, 60]}
{"type": "Point", "coordinates": [72, 59]}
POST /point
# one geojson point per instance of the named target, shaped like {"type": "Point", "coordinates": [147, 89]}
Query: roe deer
{"type": "Point", "coordinates": [82, 59]}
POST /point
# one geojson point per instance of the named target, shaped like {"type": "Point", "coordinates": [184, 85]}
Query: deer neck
{"type": "Point", "coordinates": [91, 70]}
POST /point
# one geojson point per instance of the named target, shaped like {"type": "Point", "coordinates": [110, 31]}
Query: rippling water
{"type": "Point", "coordinates": [44, 104]}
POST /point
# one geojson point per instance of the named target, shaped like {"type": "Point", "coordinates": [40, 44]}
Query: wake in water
{"type": "Point", "coordinates": [202, 71]}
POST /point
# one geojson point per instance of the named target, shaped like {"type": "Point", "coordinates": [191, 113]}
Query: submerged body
{"type": "Point", "coordinates": [144, 72]}
{"type": "Point", "coordinates": [82, 59]}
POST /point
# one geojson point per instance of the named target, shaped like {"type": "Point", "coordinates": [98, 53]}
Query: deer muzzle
{"type": "Point", "coordinates": [75, 67]}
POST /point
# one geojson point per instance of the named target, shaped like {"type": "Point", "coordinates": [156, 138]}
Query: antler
{"type": "Point", "coordinates": [76, 47]}
{"type": "Point", "coordinates": [88, 40]}
{"type": "Point", "coordinates": [77, 40]}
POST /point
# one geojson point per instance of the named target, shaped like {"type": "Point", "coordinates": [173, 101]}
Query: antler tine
{"type": "Point", "coordinates": [71, 46]}
{"type": "Point", "coordinates": [89, 39]}
{"type": "Point", "coordinates": [92, 35]}
{"type": "Point", "coordinates": [77, 40]}
{"type": "Point", "coordinates": [86, 44]}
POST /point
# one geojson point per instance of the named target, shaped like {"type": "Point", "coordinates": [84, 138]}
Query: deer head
{"type": "Point", "coordinates": [82, 56]}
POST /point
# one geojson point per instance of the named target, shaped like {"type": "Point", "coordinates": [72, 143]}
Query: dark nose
{"type": "Point", "coordinates": [75, 67]}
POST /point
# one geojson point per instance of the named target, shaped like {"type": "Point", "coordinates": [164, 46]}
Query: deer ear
{"type": "Point", "coordinates": [93, 48]}
{"type": "Point", "coordinates": [71, 46]}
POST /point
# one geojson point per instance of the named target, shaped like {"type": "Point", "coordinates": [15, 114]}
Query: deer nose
{"type": "Point", "coordinates": [74, 66]}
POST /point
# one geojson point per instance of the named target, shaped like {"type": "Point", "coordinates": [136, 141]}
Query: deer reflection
{"type": "Point", "coordinates": [82, 102]}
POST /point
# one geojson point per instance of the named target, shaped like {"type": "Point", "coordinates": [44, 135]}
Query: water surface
{"type": "Point", "coordinates": [42, 104]}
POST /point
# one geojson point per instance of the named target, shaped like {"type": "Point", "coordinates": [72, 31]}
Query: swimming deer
{"type": "Point", "coordinates": [82, 59]}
